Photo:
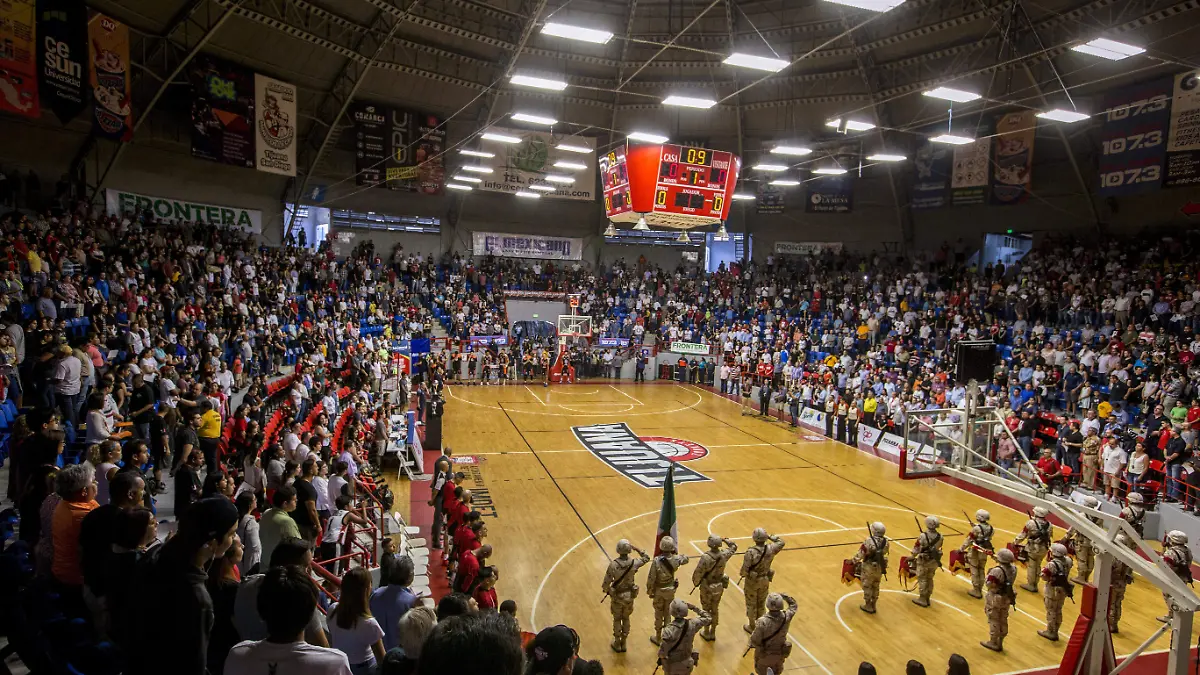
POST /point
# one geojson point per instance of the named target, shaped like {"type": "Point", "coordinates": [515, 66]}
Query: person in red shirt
{"type": "Point", "coordinates": [469, 537]}
{"type": "Point", "coordinates": [485, 590]}
{"type": "Point", "coordinates": [469, 567]}
{"type": "Point", "coordinates": [1193, 415]}
{"type": "Point", "coordinates": [1049, 470]}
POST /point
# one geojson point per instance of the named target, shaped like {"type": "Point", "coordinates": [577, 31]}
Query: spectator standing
{"type": "Point", "coordinates": [209, 433]}
{"type": "Point", "coordinates": [305, 514]}
{"type": "Point", "coordinates": [1114, 459]}
{"type": "Point", "coordinates": [277, 523]}
{"type": "Point", "coordinates": [247, 532]}
{"type": "Point", "coordinates": [68, 383]}
{"type": "Point", "coordinates": [76, 488]}
{"type": "Point", "coordinates": [352, 628]}
{"type": "Point", "coordinates": [393, 599]}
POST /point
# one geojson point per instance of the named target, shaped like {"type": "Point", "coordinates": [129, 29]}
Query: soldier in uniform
{"type": "Point", "coordinates": [709, 576]}
{"type": "Point", "coordinates": [618, 585]}
{"type": "Point", "coordinates": [1085, 552]}
{"type": "Point", "coordinates": [675, 653]}
{"type": "Point", "coordinates": [770, 636]}
{"type": "Point", "coordinates": [1057, 574]}
{"type": "Point", "coordinates": [661, 583]}
{"type": "Point", "coordinates": [1000, 599]}
{"type": "Point", "coordinates": [1178, 557]}
{"type": "Point", "coordinates": [978, 546]}
{"type": "Point", "coordinates": [756, 570]}
{"type": "Point", "coordinates": [873, 556]}
{"type": "Point", "coordinates": [1122, 576]}
{"type": "Point", "coordinates": [928, 553]}
{"type": "Point", "coordinates": [1038, 532]}
{"type": "Point", "coordinates": [1135, 513]}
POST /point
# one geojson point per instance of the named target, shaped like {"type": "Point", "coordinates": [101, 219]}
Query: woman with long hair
{"type": "Point", "coordinates": [352, 629]}
{"type": "Point", "coordinates": [224, 577]}
{"type": "Point", "coordinates": [247, 532]}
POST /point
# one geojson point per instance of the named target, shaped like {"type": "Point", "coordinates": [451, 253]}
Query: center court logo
{"type": "Point", "coordinates": [642, 459]}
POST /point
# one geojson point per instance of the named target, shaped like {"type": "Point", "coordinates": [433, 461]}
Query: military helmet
{"type": "Point", "coordinates": [1005, 556]}
{"type": "Point", "coordinates": [1091, 502]}
{"type": "Point", "coordinates": [1058, 551]}
{"type": "Point", "coordinates": [666, 544]}
{"type": "Point", "coordinates": [878, 529]}
{"type": "Point", "coordinates": [774, 602]}
{"type": "Point", "coordinates": [760, 536]}
{"type": "Point", "coordinates": [1135, 498]}
{"type": "Point", "coordinates": [1040, 512]}
{"type": "Point", "coordinates": [982, 516]}
{"type": "Point", "coordinates": [624, 547]}
{"type": "Point", "coordinates": [932, 522]}
{"type": "Point", "coordinates": [679, 609]}
{"type": "Point", "coordinates": [1177, 537]}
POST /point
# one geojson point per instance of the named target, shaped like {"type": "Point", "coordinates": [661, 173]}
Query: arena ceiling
{"type": "Point", "coordinates": [456, 58]}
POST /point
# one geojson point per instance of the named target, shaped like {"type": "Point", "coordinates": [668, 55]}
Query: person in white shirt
{"type": "Point", "coordinates": [291, 441]}
{"type": "Point", "coordinates": [1114, 460]}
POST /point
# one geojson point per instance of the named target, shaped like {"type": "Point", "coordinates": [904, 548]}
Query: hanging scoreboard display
{"type": "Point", "coordinates": [671, 185]}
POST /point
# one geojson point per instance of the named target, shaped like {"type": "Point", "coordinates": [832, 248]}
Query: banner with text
{"type": "Point", "coordinates": [1012, 175]}
{"type": "Point", "coordinates": [18, 54]}
{"type": "Point", "coordinates": [969, 181]}
{"type": "Point", "coordinates": [275, 123]}
{"type": "Point", "coordinates": [768, 198]}
{"type": "Point", "coordinates": [1133, 138]}
{"type": "Point", "coordinates": [118, 203]}
{"type": "Point", "coordinates": [829, 194]}
{"type": "Point", "coordinates": [1183, 146]}
{"type": "Point", "coordinates": [516, 166]}
{"type": "Point", "coordinates": [933, 163]}
{"type": "Point", "coordinates": [108, 75]}
{"type": "Point", "coordinates": [398, 149]}
{"type": "Point", "coordinates": [688, 348]}
{"type": "Point", "coordinates": [222, 111]}
{"type": "Point", "coordinates": [807, 247]}
{"type": "Point", "coordinates": [62, 55]}
{"type": "Point", "coordinates": [527, 246]}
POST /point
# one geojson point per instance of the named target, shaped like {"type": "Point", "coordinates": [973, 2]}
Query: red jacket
{"type": "Point", "coordinates": [486, 599]}
{"type": "Point", "coordinates": [468, 571]}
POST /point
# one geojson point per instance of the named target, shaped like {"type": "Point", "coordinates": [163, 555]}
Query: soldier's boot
{"type": "Point", "coordinates": [975, 593]}
{"type": "Point", "coordinates": [1078, 580]}
{"type": "Point", "coordinates": [994, 645]}
{"type": "Point", "coordinates": [869, 609]}
{"type": "Point", "coordinates": [748, 628]}
{"type": "Point", "coordinates": [708, 634]}
{"type": "Point", "coordinates": [617, 645]}
{"type": "Point", "coordinates": [1112, 628]}
{"type": "Point", "coordinates": [656, 638]}
{"type": "Point", "coordinates": [921, 601]}
{"type": "Point", "coordinates": [1032, 588]}
{"type": "Point", "coordinates": [1053, 637]}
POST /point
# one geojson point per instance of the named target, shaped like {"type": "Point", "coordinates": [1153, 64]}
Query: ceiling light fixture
{"type": "Point", "coordinates": [477, 169]}
{"type": "Point", "coordinates": [611, 230]}
{"type": "Point", "coordinates": [850, 125]}
{"type": "Point", "coordinates": [641, 225]}
{"type": "Point", "coordinates": [689, 102]}
{"type": "Point", "coordinates": [722, 234]}
{"type": "Point", "coordinates": [683, 238]}
{"type": "Point", "coordinates": [576, 33]}
{"type": "Point", "coordinates": [564, 180]}
{"type": "Point", "coordinates": [756, 62]}
{"type": "Point", "coordinates": [534, 119]}
{"type": "Point", "coordinates": [769, 167]}
{"type": "Point", "coordinates": [528, 195]}
{"type": "Point", "coordinates": [477, 153]}
{"type": "Point", "coordinates": [646, 137]}
{"type": "Point", "coordinates": [790, 150]}
{"type": "Point", "coordinates": [573, 166]}
{"type": "Point", "coordinates": [567, 147]}
{"type": "Point", "coordinates": [1108, 49]}
{"type": "Point", "coordinates": [499, 138]}
{"type": "Point", "coordinates": [543, 188]}
{"type": "Point", "coordinates": [467, 179]}
{"type": "Point", "coordinates": [739, 196]}
{"type": "Point", "coordinates": [538, 82]}
{"type": "Point", "coordinates": [884, 157]}
{"type": "Point", "coordinates": [458, 186]}
{"type": "Point", "coordinates": [952, 139]}
{"type": "Point", "coordinates": [786, 182]}
{"type": "Point", "coordinates": [1059, 115]}
{"type": "Point", "coordinates": [829, 171]}
{"type": "Point", "coordinates": [951, 94]}
{"type": "Point", "coordinates": [871, 5]}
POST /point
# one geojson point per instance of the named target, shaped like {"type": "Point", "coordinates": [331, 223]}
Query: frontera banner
{"type": "Point", "coordinates": [643, 460]}
{"type": "Point", "coordinates": [222, 111]}
{"type": "Point", "coordinates": [1012, 176]}
{"type": "Point", "coordinates": [517, 166]}
{"type": "Point", "coordinates": [275, 126]}
{"type": "Point", "coordinates": [62, 53]}
{"type": "Point", "coordinates": [688, 348]}
{"type": "Point", "coordinates": [119, 203]}
{"type": "Point", "coordinates": [527, 246]}
{"type": "Point", "coordinates": [109, 78]}
{"type": "Point", "coordinates": [18, 51]}
{"type": "Point", "coordinates": [806, 247]}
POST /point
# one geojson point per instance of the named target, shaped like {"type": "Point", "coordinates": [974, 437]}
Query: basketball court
{"type": "Point", "coordinates": [556, 510]}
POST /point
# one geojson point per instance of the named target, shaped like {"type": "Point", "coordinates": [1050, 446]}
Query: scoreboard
{"type": "Point", "coordinates": [673, 186]}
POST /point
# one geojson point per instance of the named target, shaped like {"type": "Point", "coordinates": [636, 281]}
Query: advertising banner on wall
{"type": "Point", "coordinates": [371, 143]}
{"type": "Point", "coordinates": [398, 149]}
{"type": "Point", "coordinates": [1183, 145]}
{"type": "Point", "coordinates": [527, 246]}
{"type": "Point", "coordinates": [1012, 170]}
{"type": "Point", "coordinates": [768, 199]}
{"type": "Point", "coordinates": [119, 202]}
{"type": "Point", "coordinates": [222, 111]}
{"type": "Point", "coordinates": [695, 348]}
{"type": "Point", "coordinates": [516, 166]}
{"type": "Point", "coordinates": [972, 168]}
{"type": "Point", "coordinates": [275, 126]}
{"type": "Point", "coordinates": [933, 163]}
{"type": "Point", "coordinates": [1133, 137]}
{"type": "Point", "coordinates": [829, 194]}
{"type": "Point", "coordinates": [62, 56]}
{"type": "Point", "coordinates": [18, 54]}
{"type": "Point", "coordinates": [806, 247]}
{"type": "Point", "coordinates": [109, 77]}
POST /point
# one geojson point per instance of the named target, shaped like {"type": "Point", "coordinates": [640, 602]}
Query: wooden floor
{"type": "Point", "coordinates": [559, 511]}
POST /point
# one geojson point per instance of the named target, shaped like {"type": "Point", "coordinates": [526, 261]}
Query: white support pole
{"type": "Point", "coordinates": [1181, 647]}
{"type": "Point", "coordinates": [1141, 648]}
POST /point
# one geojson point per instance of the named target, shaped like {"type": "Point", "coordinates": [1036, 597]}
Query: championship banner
{"type": "Point", "coordinates": [371, 143]}
{"type": "Point", "coordinates": [414, 159]}
{"type": "Point", "coordinates": [275, 124]}
{"type": "Point", "coordinates": [933, 162]}
{"type": "Point", "coordinates": [112, 109]}
{"type": "Point", "coordinates": [62, 52]}
{"type": "Point", "coordinates": [1133, 136]}
{"type": "Point", "coordinates": [768, 199]}
{"type": "Point", "coordinates": [1012, 176]}
{"type": "Point", "coordinates": [119, 203]}
{"type": "Point", "coordinates": [527, 246]}
{"type": "Point", "coordinates": [222, 111]}
{"type": "Point", "coordinates": [516, 166]}
{"type": "Point", "coordinates": [807, 247]}
{"type": "Point", "coordinates": [688, 348]}
{"type": "Point", "coordinates": [1183, 145]}
{"type": "Point", "coordinates": [18, 69]}
{"type": "Point", "coordinates": [972, 168]}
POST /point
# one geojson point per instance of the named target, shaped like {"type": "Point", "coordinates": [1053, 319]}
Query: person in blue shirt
{"type": "Point", "coordinates": [393, 598]}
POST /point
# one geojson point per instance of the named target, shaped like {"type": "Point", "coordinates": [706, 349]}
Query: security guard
{"type": "Point", "coordinates": [709, 576]}
{"type": "Point", "coordinates": [928, 554]}
{"type": "Point", "coordinates": [873, 556]}
{"type": "Point", "coordinates": [1038, 532]}
{"type": "Point", "coordinates": [1000, 599]}
{"type": "Point", "coordinates": [978, 546]}
{"type": "Point", "coordinates": [1058, 588]}
{"type": "Point", "coordinates": [756, 570]}
{"type": "Point", "coordinates": [661, 583]}
{"type": "Point", "coordinates": [675, 654]}
{"type": "Point", "coordinates": [770, 636]}
{"type": "Point", "coordinates": [618, 585]}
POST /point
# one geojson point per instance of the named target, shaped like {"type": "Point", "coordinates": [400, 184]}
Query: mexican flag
{"type": "Point", "coordinates": [667, 524]}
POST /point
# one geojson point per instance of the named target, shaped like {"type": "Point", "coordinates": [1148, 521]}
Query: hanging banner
{"type": "Point", "coordinates": [275, 126]}
{"type": "Point", "coordinates": [933, 163]}
{"type": "Point", "coordinates": [527, 246]}
{"type": "Point", "coordinates": [416, 141]}
{"type": "Point", "coordinates": [695, 348]}
{"type": "Point", "coordinates": [1183, 146]}
{"type": "Point", "coordinates": [969, 180]}
{"type": "Point", "coordinates": [120, 203]}
{"type": "Point", "coordinates": [1133, 135]}
{"type": "Point", "coordinates": [1012, 175]}
{"type": "Point", "coordinates": [768, 199]}
{"type": "Point", "coordinates": [829, 194]}
{"type": "Point", "coordinates": [18, 68]}
{"type": "Point", "coordinates": [371, 143]}
{"type": "Point", "coordinates": [222, 111]}
{"type": "Point", "coordinates": [516, 166]}
{"type": "Point", "coordinates": [112, 110]}
{"type": "Point", "coordinates": [807, 247]}
{"type": "Point", "coordinates": [62, 53]}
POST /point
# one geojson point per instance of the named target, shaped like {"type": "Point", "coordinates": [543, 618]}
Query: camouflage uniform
{"type": "Point", "coordinates": [620, 587]}
{"type": "Point", "coordinates": [1058, 587]}
{"type": "Point", "coordinates": [675, 653]}
{"type": "Point", "coordinates": [770, 638]}
{"type": "Point", "coordinates": [709, 576]}
{"type": "Point", "coordinates": [1179, 558]}
{"type": "Point", "coordinates": [999, 601]}
{"type": "Point", "coordinates": [1038, 532]}
{"type": "Point", "coordinates": [661, 584]}
{"type": "Point", "coordinates": [928, 552]}
{"type": "Point", "coordinates": [1091, 461]}
{"type": "Point", "coordinates": [873, 556]}
{"type": "Point", "coordinates": [978, 547]}
{"type": "Point", "coordinates": [756, 569]}
{"type": "Point", "coordinates": [1122, 576]}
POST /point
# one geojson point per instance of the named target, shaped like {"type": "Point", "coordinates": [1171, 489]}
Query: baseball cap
{"type": "Point", "coordinates": [551, 649]}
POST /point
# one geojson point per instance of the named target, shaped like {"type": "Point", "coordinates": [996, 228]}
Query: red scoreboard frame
{"type": "Point", "coordinates": [673, 186]}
